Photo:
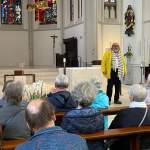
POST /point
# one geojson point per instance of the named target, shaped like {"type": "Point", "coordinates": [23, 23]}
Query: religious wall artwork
{"type": "Point", "coordinates": [129, 21]}
{"type": "Point", "coordinates": [11, 12]}
{"type": "Point", "coordinates": [47, 14]}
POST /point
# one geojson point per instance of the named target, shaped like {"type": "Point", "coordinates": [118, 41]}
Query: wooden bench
{"type": "Point", "coordinates": [109, 111]}
{"type": "Point", "coordinates": [10, 144]}
{"type": "Point", "coordinates": [112, 110]}
{"type": "Point", "coordinates": [131, 132]}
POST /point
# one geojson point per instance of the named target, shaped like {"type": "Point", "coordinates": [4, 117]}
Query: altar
{"type": "Point", "coordinates": [80, 74]}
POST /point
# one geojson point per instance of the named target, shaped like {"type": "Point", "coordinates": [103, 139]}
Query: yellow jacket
{"type": "Point", "coordinates": [106, 64]}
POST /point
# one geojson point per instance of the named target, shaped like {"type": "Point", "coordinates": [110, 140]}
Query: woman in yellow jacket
{"type": "Point", "coordinates": [113, 68]}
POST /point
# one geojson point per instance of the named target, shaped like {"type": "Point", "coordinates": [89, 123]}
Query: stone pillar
{"type": "Point", "coordinates": [135, 41]}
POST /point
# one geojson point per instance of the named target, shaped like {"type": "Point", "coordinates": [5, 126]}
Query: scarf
{"type": "Point", "coordinates": [117, 63]}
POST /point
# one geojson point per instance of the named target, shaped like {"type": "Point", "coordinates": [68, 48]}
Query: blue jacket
{"type": "Point", "coordinates": [62, 101]}
{"type": "Point", "coordinates": [86, 120]}
{"type": "Point", "coordinates": [101, 102]}
{"type": "Point", "coordinates": [54, 139]}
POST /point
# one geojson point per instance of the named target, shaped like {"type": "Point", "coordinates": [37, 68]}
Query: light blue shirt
{"type": "Point", "coordinates": [101, 102]}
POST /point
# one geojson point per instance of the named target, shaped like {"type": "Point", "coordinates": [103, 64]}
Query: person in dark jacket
{"type": "Point", "coordinates": [84, 119]}
{"type": "Point", "coordinates": [136, 115]}
{"type": "Point", "coordinates": [59, 97]}
{"type": "Point", "coordinates": [40, 117]}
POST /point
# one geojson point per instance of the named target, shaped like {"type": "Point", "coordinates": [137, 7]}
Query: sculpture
{"type": "Point", "coordinates": [129, 21]}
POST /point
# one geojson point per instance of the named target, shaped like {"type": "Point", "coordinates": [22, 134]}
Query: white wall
{"type": "Point", "coordinates": [13, 48]}
{"type": "Point", "coordinates": [111, 34]}
{"type": "Point", "coordinates": [14, 42]}
{"type": "Point", "coordinates": [43, 47]}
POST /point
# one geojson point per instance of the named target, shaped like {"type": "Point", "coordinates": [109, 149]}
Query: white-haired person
{"type": "Point", "coordinates": [84, 119]}
{"type": "Point", "coordinates": [101, 100]}
{"type": "Point", "coordinates": [60, 97]}
{"type": "Point", "coordinates": [136, 115]}
{"type": "Point", "coordinates": [147, 100]}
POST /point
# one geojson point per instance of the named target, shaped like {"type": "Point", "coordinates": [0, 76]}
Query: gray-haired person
{"type": "Point", "coordinates": [3, 102]}
{"type": "Point", "coordinates": [12, 116]}
{"type": "Point", "coordinates": [84, 119]}
{"type": "Point", "coordinates": [136, 115]}
{"type": "Point", "coordinates": [60, 97]}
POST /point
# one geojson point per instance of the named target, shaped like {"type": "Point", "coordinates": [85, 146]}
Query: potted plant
{"type": "Point", "coordinates": [129, 54]}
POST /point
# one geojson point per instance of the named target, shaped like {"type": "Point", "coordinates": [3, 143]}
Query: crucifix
{"type": "Point", "coordinates": [54, 42]}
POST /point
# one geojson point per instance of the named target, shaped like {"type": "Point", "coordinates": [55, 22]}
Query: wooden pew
{"type": "Point", "coordinates": [109, 111]}
{"type": "Point", "coordinates": [10, 144]}
{"type": "Point", "coordinates": [112, 110]}
{"type": "Point", "coordinates": [131, 132]}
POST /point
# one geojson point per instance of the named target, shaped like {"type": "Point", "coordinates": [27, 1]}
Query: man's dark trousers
{"type": "Point", "coordinates": [114, 80]}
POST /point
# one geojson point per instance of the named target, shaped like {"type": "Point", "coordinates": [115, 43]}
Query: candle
{"type": "Point", "coordinates": [64, 60]}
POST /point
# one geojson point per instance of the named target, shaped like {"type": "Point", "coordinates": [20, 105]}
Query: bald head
{"type": "Point", "coordinates": [34, 106]}
{"type": "Point", "coordinates": [39, 113]}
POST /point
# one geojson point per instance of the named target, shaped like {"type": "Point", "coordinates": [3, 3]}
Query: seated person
{"type": "Point", "coordinates": [147, 100]}
{"type": "Point", "coordinates": [101, 101]}
{"type": "Point", "coordinates": [84, 119]}
{"type": "Point", "coordinates": [40, 117]}
{"type": "Point", "coordinates": [12, 116]}
{"type": "Point", "coordinates": [3, 102]}
{"type": "Point", "coordinates": [60, 97]}
{"type": "Point", "coordinates": [136, 115]}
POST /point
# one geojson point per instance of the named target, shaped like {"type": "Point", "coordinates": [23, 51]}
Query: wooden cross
{"type": "Point", "coordinates": [54, 42]}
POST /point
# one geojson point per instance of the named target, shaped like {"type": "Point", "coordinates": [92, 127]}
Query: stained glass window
{"type": "Point", "coordinates": [11, 12]}
{"type": "Point", "coordinates": [46, 15]}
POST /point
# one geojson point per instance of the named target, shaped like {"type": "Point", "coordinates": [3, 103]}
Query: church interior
{"type": "Point", "coordinates": [42, 39]}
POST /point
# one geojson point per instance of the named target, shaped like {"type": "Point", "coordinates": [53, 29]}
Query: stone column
{"type": "Point", "coordinates": [135, 41]}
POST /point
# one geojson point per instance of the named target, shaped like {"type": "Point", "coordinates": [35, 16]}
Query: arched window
{"type": "Point", "coordinates": [110, 9]}
{"type": "Point", "coordinates": [11, 12]}
{"type": "Point", "coordinates": [71, 10]}
{"type": "Point", "coordinates": [48, 14]}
